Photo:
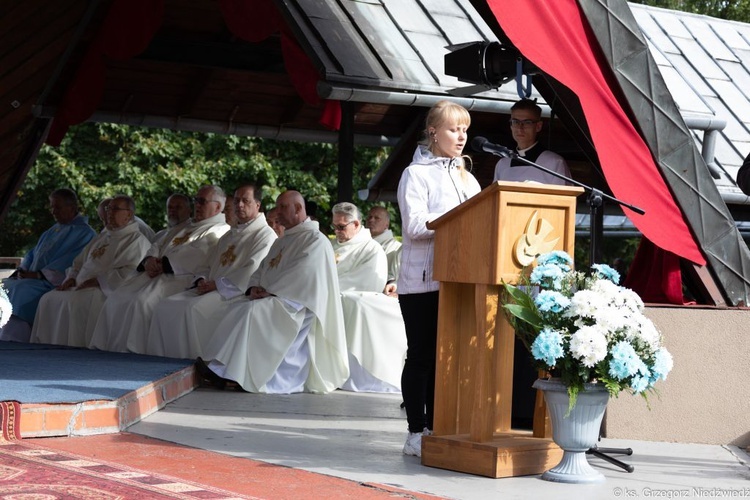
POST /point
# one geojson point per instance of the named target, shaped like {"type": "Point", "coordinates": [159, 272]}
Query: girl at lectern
{"type": "Point", "coordinates": [435, 182]}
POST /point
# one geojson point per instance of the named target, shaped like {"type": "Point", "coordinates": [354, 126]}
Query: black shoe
{"type": "Point", "coordinates": [208, 377]}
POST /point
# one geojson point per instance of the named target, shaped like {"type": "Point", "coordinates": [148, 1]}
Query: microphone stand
{"type": "Point", "coordinates": [596, 231]}
{"type": "Point", "coordinates": [596, 202]}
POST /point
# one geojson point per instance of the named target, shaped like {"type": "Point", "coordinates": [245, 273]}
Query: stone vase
{"type": "Point", "coordinates": [575, 432]}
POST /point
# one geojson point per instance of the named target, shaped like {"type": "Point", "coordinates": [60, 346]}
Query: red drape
{"type": "Point", "coordinates": [126, 32]}
{"type": "Point", "coordinates": [655, 275]}
{"type": "Point", "coordinates": [556, 37]}
{"type": "Point", "coordinates": [130, 26]}
{"type": "Point", "coordinates": [254, 21]}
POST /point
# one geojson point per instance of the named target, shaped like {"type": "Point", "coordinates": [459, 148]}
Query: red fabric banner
{"type": "Point", "coordinates": [254, 21]}
{"type": "Point", "coordinates": [655, 275]}
{"type": "Point", "coordinates": [556, 37]}
{"type": "Point", "coordinates": [126, 32]}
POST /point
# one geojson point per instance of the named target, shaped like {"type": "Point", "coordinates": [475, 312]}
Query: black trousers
{"type": "Point", "coordinates": [420, 312]}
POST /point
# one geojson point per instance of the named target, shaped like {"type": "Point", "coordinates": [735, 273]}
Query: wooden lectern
{"type": "Point", "coordinates": [480, 244]}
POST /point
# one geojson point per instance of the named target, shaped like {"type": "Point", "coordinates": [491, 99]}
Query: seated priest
{"type": "Point", "coordinates": [378, 222]}
{"type": "Point", "coordinates": [288, 336]}
{"type": "Point", "coordinates": [273, 220]}
{"type": "Point", "coordinates": [375, 333]}
{"type": "Point", "coordinates": [178, 216]}
{"type": "Point", "coordinates": [184, 322]}
{"type": "Point", "coordinates": [43, 267]}
{"type": "Point", "coordinates": [143, 227]}
{"type": "Point", "coordinates": [125, 319]}
{"type": "Point", "coordinates": [67, 315]}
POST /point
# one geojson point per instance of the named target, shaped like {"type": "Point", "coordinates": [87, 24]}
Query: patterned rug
{"type": "Point", "coordinates": [10, 416]}
{"type": "Point", "coordinates": [29, 471]}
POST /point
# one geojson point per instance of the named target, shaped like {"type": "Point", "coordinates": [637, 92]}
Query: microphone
{"type": "Point", "coordinates": [482, 145]}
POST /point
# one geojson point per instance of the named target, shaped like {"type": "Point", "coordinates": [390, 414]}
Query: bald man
{"type": "Point", "coordinates": [288, 336]}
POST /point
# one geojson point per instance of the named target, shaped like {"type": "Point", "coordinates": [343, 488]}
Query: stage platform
{"type": "Point", "coordinates": [65, 391]}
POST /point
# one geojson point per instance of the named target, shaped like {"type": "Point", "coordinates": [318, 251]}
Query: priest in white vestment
{"type": "Point", "coordinates": [183, 323]}
{"type": "Point", "coordinates": [289, 336]}
{"type": "Point", "coordinates": [375, 333]}
{"type": "Point", "coordinates": [273, 220]}
{"type": "Point", "coordinates": [378, 222]}
{"type": "Point", "coordinates": [178, 216]}
{"type": "Point", "coordinates": [68, 314]}
{"type": "Point", "coordinates": [125, 319]}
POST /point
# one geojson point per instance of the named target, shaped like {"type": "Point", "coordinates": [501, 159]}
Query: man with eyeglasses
{"type": "Point", "coordinates": [375, 332]}
{"type": "Point", "coordinates": [169, 268]}
{"type": "Point", "coordinates": [144, 228]}
{"type": "Point", "coordinates": [287, 335]}
{"type": "Point", "coordinates": [67, 315]}
{"type": "Point", "coordinates": [43, 267]}
{"type": "Point", "coordinates": [183, 323]}
{"type": "Point", "coordinates": [525, 125]}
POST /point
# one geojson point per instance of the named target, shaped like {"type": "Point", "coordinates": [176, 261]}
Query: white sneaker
{"type": "Point", "coordinates": [413, 444]}
{"type": "Point", "coordinates": [427, 432]}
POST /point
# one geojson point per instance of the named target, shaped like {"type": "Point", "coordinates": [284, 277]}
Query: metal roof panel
{"type": "Point", "coordinates": [707, 38]}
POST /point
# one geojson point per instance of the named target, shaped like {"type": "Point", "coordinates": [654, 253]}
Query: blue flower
{"type": "Point", "coordinates": [625, 362]}
{"type": "Point", "coordinates": [547, 346]}
{"type": "Point", "coordinates": [663, 363]}
{"type": "Point", "coordinates": [556, 258]}
{"type": "Point", "coordinates": [640, 383]}
{"type": "Point", "coordinates": [606, 272]}
{"type": "Point", "coordinates": [550, 301]}
{"type": "Point", "coordinates": [547, 275]}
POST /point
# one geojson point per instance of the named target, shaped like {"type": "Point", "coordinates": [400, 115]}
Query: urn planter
{"type": "Point", "coordinates": [575, 432]}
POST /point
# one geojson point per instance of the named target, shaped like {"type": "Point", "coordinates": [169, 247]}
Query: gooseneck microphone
{"type": "Point", "coordinates": [482, 145]}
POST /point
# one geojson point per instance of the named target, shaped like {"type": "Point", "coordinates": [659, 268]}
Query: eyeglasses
{"type": "Point", "coordinates": [114, 209]}
{"type": "Point", "coordinates": [341, 227]}
{"type": "Point", "coordinates": [202, 201]}
{"type": "Point", "coordinates": [522, 123]}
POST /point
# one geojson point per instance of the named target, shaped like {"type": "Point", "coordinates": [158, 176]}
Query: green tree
{"type": "Point", "coordinates": [734, 10]}
{"type": "Point", "coordinates": [101, 160]}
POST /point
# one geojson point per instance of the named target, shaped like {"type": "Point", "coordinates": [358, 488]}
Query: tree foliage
{"type": "Point", "coordinates": [734, 10]}
{"type": "Point", "coordinates": [101, 160]}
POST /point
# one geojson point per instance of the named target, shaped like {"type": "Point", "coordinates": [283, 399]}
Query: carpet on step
{"type": "Point", "coordinates": [38, 373]}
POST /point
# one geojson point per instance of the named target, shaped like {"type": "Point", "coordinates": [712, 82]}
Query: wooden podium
{"type": "Point", "coordinates": [480, 244]}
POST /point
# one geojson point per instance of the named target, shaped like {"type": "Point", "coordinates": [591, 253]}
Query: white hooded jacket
{"type": "Point", "coordinates": [429, 187]}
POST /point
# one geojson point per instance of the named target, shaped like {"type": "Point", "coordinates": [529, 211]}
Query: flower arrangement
{"type": "Point", "coordinates": [586, 328]}
{"type": "Point", "coordinates": [6, 308]}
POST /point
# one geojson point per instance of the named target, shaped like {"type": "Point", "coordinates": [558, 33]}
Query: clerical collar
{"type": "Point", "coordinates": [522, 152]}
{"type": "Point", "coordinates": [243, 225]}
{"type": "Point", "coordinates": [531, 154]}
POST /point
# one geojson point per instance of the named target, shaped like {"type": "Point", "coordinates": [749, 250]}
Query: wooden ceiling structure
{"type": "Point", "coordinates": [380, 62]}
{"type": "Point", "coordinates": [349, 72]}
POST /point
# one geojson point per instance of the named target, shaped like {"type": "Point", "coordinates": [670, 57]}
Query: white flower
{"type": "Point", "coordinates": [6, 308]}
{"type": "Point", "coordinates": [647, 332]}
{"type": "Point", "coordinates": [585, 303]}
{"type": "Point", "coordinates": [589, 345]}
